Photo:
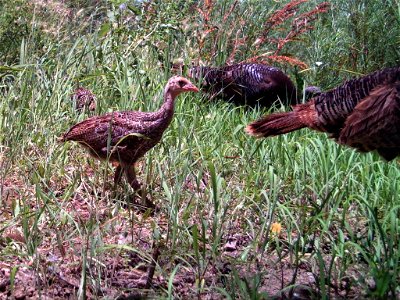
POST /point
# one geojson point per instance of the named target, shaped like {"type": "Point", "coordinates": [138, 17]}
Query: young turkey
{"type": "Point", "coordinates": [363, 113]}
{"type": "Point", "coordinates": [84, 99]}
{"type": "Point", "coordinates": [247, 84]}
{"type": "Point", "coordinates": [125, 136]}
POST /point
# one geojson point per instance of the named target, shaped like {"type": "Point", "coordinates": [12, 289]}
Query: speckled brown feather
{"type": "Point", "coordinates": [130, 136]}
{"type": "Point", "coordinates": [84, 99]}
{"type": "Point", "coordinates": [363, 113]}
{"type": "Point", "coordinates": [126, 136]}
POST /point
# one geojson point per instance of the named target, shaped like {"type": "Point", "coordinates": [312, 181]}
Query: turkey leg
{"type": "Point", "coordinates": [118, 176]}
{"type": "Point", "coordinates": [134, 183]}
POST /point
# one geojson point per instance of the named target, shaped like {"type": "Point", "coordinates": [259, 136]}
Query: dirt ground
{"type": "Point", "coordinates": [133, 265]}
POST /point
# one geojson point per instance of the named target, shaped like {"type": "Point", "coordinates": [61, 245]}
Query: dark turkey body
{"type": "Point", "coordinates": [333, 107]}
{"type": "Point", "coordinates": [364, 113]}
{"type": "Point", "coordinates": [247, 84]}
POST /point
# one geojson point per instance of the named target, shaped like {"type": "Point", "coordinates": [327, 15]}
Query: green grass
{"type": "Point", "coordinates": [212, 183]}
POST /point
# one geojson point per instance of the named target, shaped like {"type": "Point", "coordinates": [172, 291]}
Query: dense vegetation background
{"type": "Point", "coordinates": [293, 216]}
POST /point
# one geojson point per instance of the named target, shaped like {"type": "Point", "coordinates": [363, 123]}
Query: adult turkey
{"type": "Point", "coordinates": [363, 113]}
{"type": "Point", "coordinates": [125, 136]}
{"type": "Point", "coordinates": [247, 84]}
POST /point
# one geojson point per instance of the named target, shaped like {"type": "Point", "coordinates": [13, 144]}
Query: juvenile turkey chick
{"type": "Point", "coordinates": [363, 113]}
{"type": "Point", "coordinates": [125, 136]}
{"type": "Point", "coordinates": [246, 84]}
{"type": "Point", "coordinates": [84, 99]}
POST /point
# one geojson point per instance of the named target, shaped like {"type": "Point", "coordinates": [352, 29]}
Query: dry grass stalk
{"type": "Point", "coordinates": [279, 17]}
{"type": "Point", "coordinates": [282, 59]}
{"type": "Point", "coordinates": [207, 12]}
{"type": "Point", "coordinates": [302, 24]}
{"type": "Point", "coordinates": [212, 32]}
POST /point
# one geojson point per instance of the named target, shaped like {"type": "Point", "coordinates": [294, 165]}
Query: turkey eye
{"type": "Point", "coordinates": [181, 83]}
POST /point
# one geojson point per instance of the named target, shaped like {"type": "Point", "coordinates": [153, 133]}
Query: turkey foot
{"type": "Point", "coordinates": [134, 183]}
{"type": "Point", "coordinates": [130, 174]}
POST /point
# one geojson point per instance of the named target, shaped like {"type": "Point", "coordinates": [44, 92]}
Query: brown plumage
{"type": "Point", "coordinates": [125, 136]}
{"type": "Point", "coordinates": [246, 84]}
{"type": "Point", "coordinates": [363, 113]}
{"type": "Point", "coordinates": [251, 84]}
{"type": "Point", "coordinates": [84, 99]}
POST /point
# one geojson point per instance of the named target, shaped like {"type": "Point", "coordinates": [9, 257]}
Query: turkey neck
{"type": "Point", "coordinates": [166, 111]}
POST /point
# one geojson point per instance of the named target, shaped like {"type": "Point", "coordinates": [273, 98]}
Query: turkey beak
{"type": "Point", "coordinates": [191, 88]}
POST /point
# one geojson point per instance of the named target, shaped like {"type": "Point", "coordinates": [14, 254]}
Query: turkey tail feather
{"type": "Point", "coordinates": [276, 124]}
